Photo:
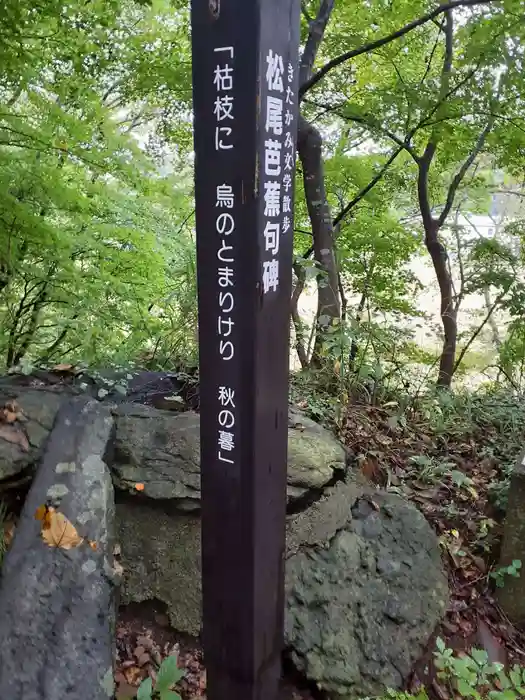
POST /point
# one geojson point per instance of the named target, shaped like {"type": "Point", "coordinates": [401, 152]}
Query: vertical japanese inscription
{"type": "Point", "coordinates": [278, 162]}
{"type": "Point", "coordinates": [223, 80]}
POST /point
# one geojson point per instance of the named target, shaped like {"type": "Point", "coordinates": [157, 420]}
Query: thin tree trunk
{"type": "Point", "coordinates": [328, 306]}
{"type": "Point", "coordinates": [448, 311]}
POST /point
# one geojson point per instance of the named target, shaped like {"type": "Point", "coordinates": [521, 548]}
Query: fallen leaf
{"type": "Point", "coordinates": [60, 532]}
{"type": "Point", "coordinates": [133, 675]}
{"type": "Point", "coordinates": [17, 437]}
{"type": "Point", "coordinates": [143, 659]}
{"type": "Point", "coordinates": [93, 545]}
{"type": "Point", "coordinates": [139, 487]}
{"type": "Point", "coordinates": [125, 691]}
{"type": "Point", "coordinates": [11, 412]}
{"type": "Point", "coordinates": [9, 532]}
{"type": "Point", "coordinates": [118, 569]}
{"type": "Point", "coordinates": [480, 563]}
{"type": "Point", "coordinates": [43, 513]}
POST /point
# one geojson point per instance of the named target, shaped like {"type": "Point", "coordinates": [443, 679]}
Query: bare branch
{"type": "Point", "coordinates": [431, 147]}
{"type": "Point", "coordinates": [430, 59]}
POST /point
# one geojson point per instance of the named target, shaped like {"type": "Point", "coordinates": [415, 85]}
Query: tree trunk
{"type": "Point", "coordinates": [309, 144]}
{"type": "Point", "coordinates": [496, 339]}
{"type": "Point", "coordinates": [448, 311]}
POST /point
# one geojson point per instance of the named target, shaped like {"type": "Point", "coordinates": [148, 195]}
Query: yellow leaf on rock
{"type": "Point", "coordinates": [60, 532]}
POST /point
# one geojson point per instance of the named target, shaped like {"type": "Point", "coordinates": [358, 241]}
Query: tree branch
{"type": "Point", "coordinates": [373, 182]}
{"type": "Point", "coordinates": [462, 172]}
{"type": "Point", "coordinates": [315, 36]}
{"type": "Point", "coordinates": [304, 10]}
{"type": "Point", "coordinates": [300, 346]}
{"type": "Point", "coordinates": [478, 330]}
{"type": "Point", "coordinates": [373, 45]}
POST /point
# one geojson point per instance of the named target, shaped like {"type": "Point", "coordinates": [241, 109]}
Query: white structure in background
{"type": "Point", "coordinates": [505, 208]}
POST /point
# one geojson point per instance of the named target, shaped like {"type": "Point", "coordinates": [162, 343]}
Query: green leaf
{"type": "Point", "coordinates": [515, 676]}
{"type": "Point", "coordinates": [480, 656]}
{"type": "Point", "coordinates": [464, 688]}
{"type": "Point", "coordinates": [169, 674]}
{"type": "Point", "coordinates": [145, 690]}
{"type": "Point", "coordinates": [502, 695]}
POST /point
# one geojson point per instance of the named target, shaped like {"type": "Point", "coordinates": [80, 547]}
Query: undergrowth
{"type": "Point", "coordinates": [490, 421]}
{"type": "Point", "coordinates": [470, 675]}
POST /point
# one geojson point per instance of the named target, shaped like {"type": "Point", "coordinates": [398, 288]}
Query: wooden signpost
{"type": "Point", "coordinates": [245, 84]}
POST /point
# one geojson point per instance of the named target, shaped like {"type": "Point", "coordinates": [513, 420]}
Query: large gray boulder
{"type": "Point", "coordinates": [365, 590]}
{"type": "Point", "coordinates": [57, 604]}
{"type": "Point", "coordinates": [364, 580]}
{"type": "Point", "coordinates": [160, 449]}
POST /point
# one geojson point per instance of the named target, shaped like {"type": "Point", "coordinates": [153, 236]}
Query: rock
{"type": "Point", "coordinates": [21, 442]}
{"type": "Point", "coordinates": [160, 449]}
{"type": "Point", "coordinates": [161, 559]}
{"type": "Point", "coordinates": [364, 591]}
{"type": "Point", "coordinates": [57, 606]}
{"type": "Point", "coordinates": [315, 457]}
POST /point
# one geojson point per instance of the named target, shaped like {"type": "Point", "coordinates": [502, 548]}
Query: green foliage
{"type": "Point", "coordinates": [169, 674]}
{"type": "Point", "coordinates": [96, 255]}
{"type": "Point", "coordinates": [470, 675]}
{"type": "Point", "coordinates": [474, 676]}
{"type": "Point", "coordinates": [511, 570]}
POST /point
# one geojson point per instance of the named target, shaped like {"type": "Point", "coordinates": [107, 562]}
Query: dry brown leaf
{"type": "Point", "coordinates": [12, 434]}
{"type": "Point", "coordinates": [125, 691]}
{"type": "Point", "coordinates": [133, 675]}
{"type": "Point", "coordinates": [9, 532]}
{"type": "Point", "coordinates": [8, 416]}
{"type": "Point", "coordinates": [60, 532]}
{"type": "Point", "coordinates": [11, 412]}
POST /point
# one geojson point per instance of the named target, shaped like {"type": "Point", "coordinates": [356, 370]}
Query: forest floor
{"type": "Point", "coordinates": [454, 478]}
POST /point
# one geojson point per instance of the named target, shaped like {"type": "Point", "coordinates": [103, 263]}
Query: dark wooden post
{"type": "Point", "coordinates": [245, 71]}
